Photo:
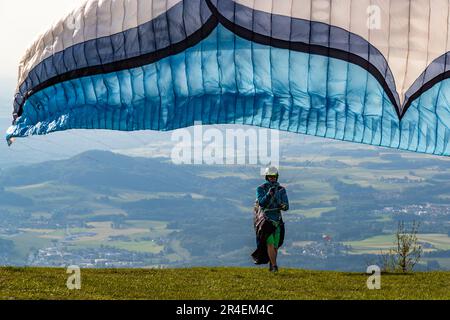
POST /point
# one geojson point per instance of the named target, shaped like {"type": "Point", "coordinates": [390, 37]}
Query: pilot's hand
{"type": "Point", "coordinates": [284, 207]}
{"type": "Point", "coordinates": [272, 191]}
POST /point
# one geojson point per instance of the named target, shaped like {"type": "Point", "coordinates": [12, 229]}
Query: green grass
{"type": "Point", "coordinates": [137, 232]}
{"type": "Point", "coordinates": [372, 245]}
{"type": "Point", "coordinates": [443, 262]}
{"type": "Point", "coordinates": [141, 246]}
{"type": "Point", "coordinates": [25, 242]}
{"type": "Point", "coordinates": [439, 241]}
{"type": "Point", "coordinates": [218, 283]}
{"type": "Point", "coordinates": [313, 213]}
{"type": "Point", "coordinates": [385, 242]}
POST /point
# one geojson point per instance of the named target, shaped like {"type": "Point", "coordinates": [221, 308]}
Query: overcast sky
{"type": "Point", "coordinates": [21, 21]}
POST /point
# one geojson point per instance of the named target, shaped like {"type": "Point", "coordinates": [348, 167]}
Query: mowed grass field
{"type": "Point", "coordinates": [217, 284]}
{"type": "Point", "coordinates": [375, 245]}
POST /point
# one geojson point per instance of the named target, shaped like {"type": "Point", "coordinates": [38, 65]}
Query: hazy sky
{"type": "Point", "coordinates": [21, 21]}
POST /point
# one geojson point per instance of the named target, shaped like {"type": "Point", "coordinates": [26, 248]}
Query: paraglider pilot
{"type": "Point", "coordinates": [268, 221]}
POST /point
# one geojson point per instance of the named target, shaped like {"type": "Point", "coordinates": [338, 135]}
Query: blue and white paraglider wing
{"type": "Point", "coordinates": [373, 72]}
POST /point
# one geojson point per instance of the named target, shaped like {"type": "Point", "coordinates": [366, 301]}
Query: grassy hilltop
{"type": "Point", "coordinates": [217, 283]}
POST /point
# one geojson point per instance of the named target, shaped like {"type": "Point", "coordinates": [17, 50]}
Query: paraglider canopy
{"type": "Point", "coordinates": [347, 70]}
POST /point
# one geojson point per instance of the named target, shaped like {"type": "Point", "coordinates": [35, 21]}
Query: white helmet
{"type": "Point", "coordinates": [271, 171]}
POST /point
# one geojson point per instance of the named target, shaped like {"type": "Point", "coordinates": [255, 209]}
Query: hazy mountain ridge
{"type": "Point", "coordinates": [101, 169]}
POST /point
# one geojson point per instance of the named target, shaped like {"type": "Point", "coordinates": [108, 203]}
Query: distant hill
{"type": "Point", "coordinates": [94, 169]}
{"type": "Point", "coordinates": [108, 170]}
{"type": "Point", "coordinates": [218, 284]}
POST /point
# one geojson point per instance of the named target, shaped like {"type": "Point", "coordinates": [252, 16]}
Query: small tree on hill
{"type": "Point", "coordinates": [407, 251]}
